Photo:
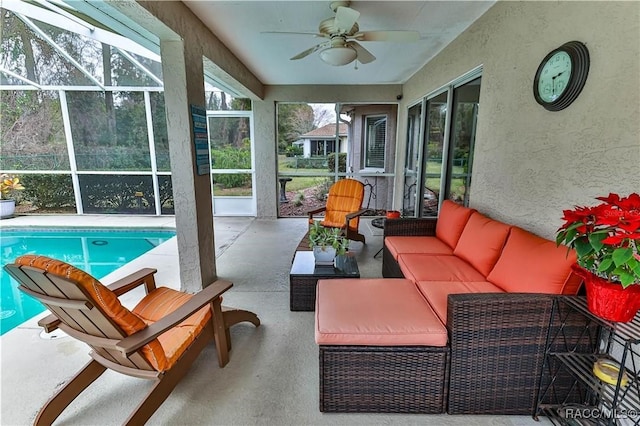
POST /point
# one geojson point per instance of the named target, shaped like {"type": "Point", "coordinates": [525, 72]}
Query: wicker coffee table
{"type": "Point", "coordinates": [304, 277]}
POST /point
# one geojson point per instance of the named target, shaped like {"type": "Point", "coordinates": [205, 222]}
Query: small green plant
{"type": "Point", "coordinates": [298, 199]}
{"type": "Point", "coordinates": [319, 236]}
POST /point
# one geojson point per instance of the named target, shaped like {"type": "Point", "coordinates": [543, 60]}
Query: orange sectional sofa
{"type": "Point", "coordinates": [486, 285]}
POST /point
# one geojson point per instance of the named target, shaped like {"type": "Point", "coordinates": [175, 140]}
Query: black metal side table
{"type": "Point", "coordinates": [378, 223]}
{"type": "Point", "coordinates": [569, 389]}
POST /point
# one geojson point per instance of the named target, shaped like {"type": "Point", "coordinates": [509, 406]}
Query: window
{"type": "Point", "coordinates": [375, 137]}
{"type": "Point", "coordinates": [447, 135]}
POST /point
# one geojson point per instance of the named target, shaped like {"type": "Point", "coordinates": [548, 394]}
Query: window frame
{"type": "Point", "coordinates": [365, 142]}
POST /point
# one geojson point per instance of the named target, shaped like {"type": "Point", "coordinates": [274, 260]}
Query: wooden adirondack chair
{"type": "Point", "coordinates": [158, 340]}
{"type": "Point", "coordinates": [343, 208]}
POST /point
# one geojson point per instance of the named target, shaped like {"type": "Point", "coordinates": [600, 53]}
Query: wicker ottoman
{"type": "Point", "coordinates": [382, 348]}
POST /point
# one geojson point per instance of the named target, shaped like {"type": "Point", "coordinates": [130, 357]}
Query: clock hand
{"type": "Point", "coordinates": [553, 82]}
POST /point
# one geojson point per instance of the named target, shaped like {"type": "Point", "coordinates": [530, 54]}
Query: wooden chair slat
{"type": "Point", "coordinates": [42, 283]}
{"type": "Point", "coordinates": [58, 301]}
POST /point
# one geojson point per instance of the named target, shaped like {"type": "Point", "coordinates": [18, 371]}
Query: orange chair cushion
{"type": "Point", "coordinates": [375, 312]}
{"type": "Point", "coordinates": [451, 222]}
{"type": "Point", "coordinates": [161, 302]}
{"type": "Point", "coordinates": [531, 264]}
{"type": "Point", "coordinates": [345, 196]}
{"type": "Point", "coordinates": [102, 297]}
{"type": "Point", "coordinates": [416, 244]}
{"type": "Point", "coordinates": [437, 292]}
{"type": "Point", "coordinates": [429, 267]}
{"type": "Point", "coordinates": [481, 242]}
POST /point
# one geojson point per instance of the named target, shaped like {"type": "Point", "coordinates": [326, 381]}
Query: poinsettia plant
{"type": "Point", "coordinates": [606, 237]}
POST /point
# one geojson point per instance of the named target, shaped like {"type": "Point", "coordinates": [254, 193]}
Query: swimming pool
{"type": "Point", "coordinates": [96, 251]}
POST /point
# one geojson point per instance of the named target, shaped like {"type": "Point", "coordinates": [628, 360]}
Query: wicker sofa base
{"type": "Point", "coordinates": [387, 379]}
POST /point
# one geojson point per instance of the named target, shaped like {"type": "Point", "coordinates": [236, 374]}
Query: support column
{"type": "Point", "coordinates": [264, 124]}
{"type": "Point", "coordinates": [183, 76]}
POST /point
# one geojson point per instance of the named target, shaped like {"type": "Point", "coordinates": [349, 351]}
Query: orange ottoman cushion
{"type": "Point", "coordinates": [416, 244]}
{"type": "Point", "coordinates": [437, 292]}
{"type": "Point", "coordinates": [429, 267]}
{"type": "Point", "coordinates": [375, 312]}
{"type": "Point", "coordinates": [532, 264]}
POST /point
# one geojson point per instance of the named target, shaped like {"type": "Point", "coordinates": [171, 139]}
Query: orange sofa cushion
{"type": "Point", "coordinates": [161, 302]}
{"type": "Point", "coordinates": [428, 267]}
{"type": "Point", "coordinates": [531, 264]}
{"type": "Point", "coordinates": [375, 312]}
{"type": "Point", "coordinates": [101, 296]}
{"type": "Point", "coordinates": [416, 244]}
{"type": "Point", "coordinates": [437, 292]}
{"type": "Point", "coordinates": [451, 222]}
{"type": "Point", "coordinates": [481, 242]}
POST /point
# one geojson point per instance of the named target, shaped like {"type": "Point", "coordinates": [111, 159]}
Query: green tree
{"type": "Point", "coordinates": [293, 120]}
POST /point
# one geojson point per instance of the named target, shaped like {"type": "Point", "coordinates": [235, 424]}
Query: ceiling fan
{"type": "Point", "coordinates": [343, 34]}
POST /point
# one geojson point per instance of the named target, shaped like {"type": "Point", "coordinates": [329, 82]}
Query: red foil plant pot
{"type": "Point", "coordinates": [609, 300]}
{"type": "Point", "coordinates": [393, 214]}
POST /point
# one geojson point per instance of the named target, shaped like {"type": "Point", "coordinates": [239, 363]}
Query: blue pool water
{"type": "Point", "coordinates": [96, 251]}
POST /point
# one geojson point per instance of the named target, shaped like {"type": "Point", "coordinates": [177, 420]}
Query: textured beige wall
{"type": "Point", "coordinates": [530, 163]}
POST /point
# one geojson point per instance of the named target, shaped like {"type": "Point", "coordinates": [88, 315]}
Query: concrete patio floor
{"type": "Point", "coordinates": [272, 376]}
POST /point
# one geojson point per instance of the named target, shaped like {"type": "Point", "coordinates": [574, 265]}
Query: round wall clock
{"type": "Point", "coordinates": [561, 76]}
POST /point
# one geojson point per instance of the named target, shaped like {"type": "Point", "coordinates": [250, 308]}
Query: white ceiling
{"type": "Point", "coordinates": [240, 25]}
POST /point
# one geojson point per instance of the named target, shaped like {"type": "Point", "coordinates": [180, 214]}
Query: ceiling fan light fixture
{"type": "Point", "coordinates": [338, 56]}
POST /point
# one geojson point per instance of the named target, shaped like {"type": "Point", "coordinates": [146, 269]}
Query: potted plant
{"type": "Point", "coordinates": [606, 238]}
{"type": "Point", "coordinates": [8, 184]}
{"type": "Point", "coordinates": [326, 243]}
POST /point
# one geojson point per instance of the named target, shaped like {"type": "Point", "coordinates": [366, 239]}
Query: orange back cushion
{"type": "Point", "coordinates": [345, 196]}
{"type": "Point", "coordinates": [100, 296]}
{"type": "Point", "coordinates": [481, 242]}
{"type": "Point", "coordinates": [531, 264]}
{"type": "Point", "coordinates": [451, 222]}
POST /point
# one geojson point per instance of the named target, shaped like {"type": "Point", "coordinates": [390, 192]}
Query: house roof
{"type": "Point", "coordinates": [327, 131]}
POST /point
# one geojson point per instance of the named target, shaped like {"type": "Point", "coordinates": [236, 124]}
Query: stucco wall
{"type": "Point", "coordinates": [530, 163]}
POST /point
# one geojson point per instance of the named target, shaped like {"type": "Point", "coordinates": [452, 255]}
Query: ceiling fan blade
{"type": "Point", "coordinates": [307, 52]}
{"type": "Point", "coordinates": [346, 18]}
{"type": "Point", "coordinates": [364, 56]}
{"type": "Point", "coordinates": [398, 36]}
{"type": "Point", "coordinates": [294, 33]}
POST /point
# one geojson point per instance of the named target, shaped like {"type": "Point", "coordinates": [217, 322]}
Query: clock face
{"type": "Point", "coordinates": [554, 76]}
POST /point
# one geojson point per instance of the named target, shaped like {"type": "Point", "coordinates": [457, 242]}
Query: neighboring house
{"type": "Point", "coordinates": [369, 139]}
{"type": "Point", "coordinates": [322, 141]}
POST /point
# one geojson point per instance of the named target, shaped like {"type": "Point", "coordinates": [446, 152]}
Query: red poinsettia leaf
{"type": "Point", "coordinates": [632, 202]}
{"type": "Point", "coordinates": [630, 227]}
{"type": "Point", "coordinates": [613, 240]}
{"type": "Point", "coordinates": [611, 199]}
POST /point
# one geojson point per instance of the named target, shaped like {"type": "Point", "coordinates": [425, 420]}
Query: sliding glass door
{"type": "Point", "coordinates": [440, 146]}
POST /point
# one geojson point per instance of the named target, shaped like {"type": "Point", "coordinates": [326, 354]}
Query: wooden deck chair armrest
{"type": "Point", "coordinates": [49, 323]}
{"type": "Point", "coordinates": [316, 211]}
{"type": "Point", "coordinates": [131, 281]}
{"type": "Point", "coordinates": [350, 216]}
{"type": "Point", "coordinates": [134, 342]}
